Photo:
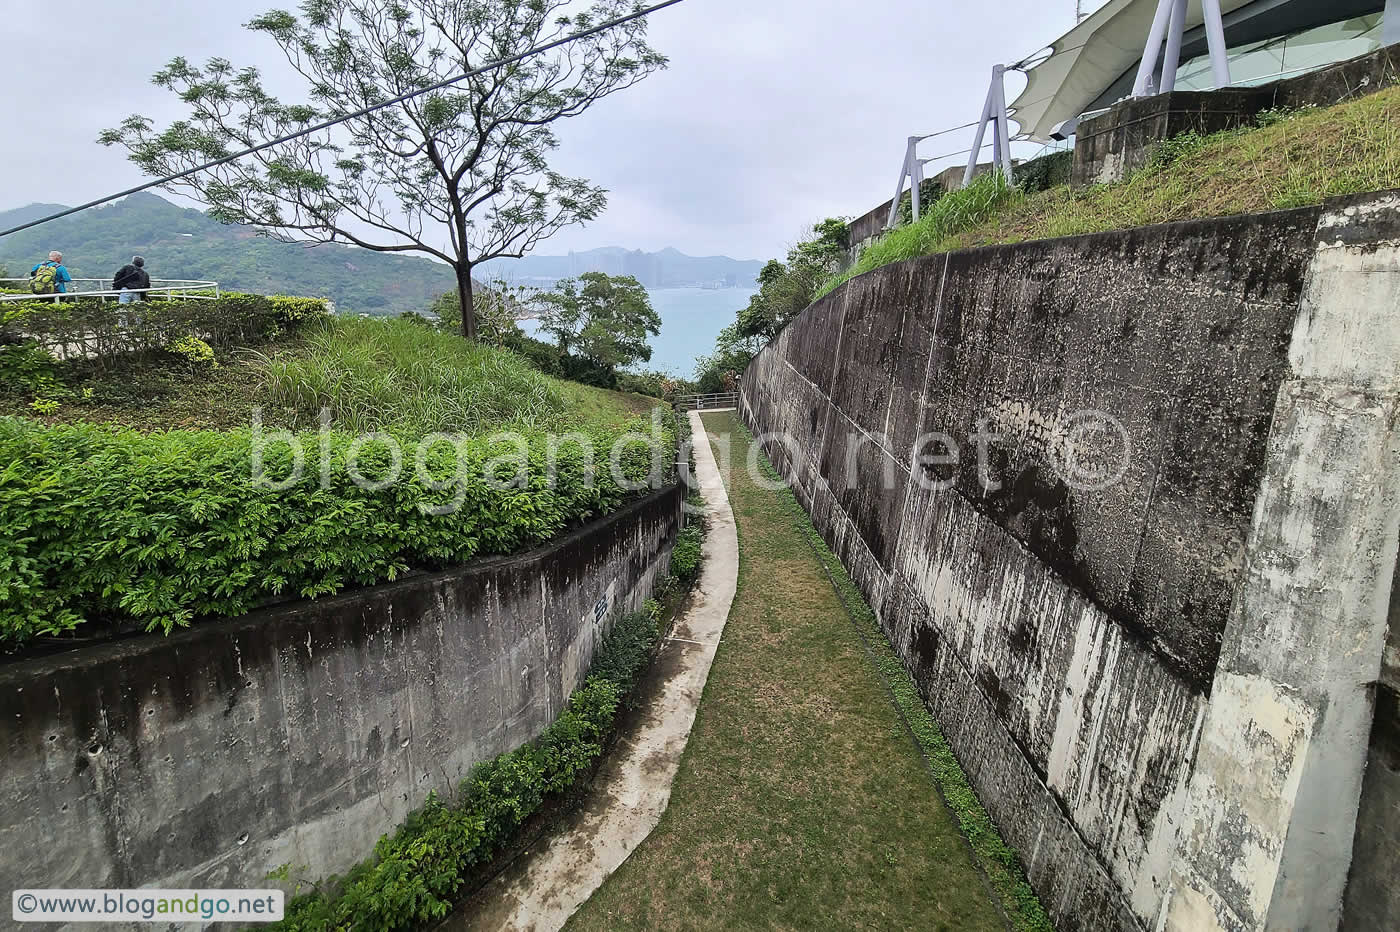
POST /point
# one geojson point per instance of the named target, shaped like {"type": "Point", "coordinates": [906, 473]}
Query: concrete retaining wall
{"type": "Point", "coordinates": [300, 734]}
{"type": "Point", "coordinates": [1061, 589]}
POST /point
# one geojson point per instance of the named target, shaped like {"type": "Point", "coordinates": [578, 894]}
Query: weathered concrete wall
{"type": "Point", "coordinates": [1112, 145]}
{"type": "Point", "coordinates": [1062, 604]}
{"type": "Point", "coordinates": [301, 734]}
{"type": "Point", "coordinates": [1273, 798]}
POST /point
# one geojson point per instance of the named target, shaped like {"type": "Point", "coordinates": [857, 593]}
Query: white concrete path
{"type": "Point", "coordinates": [543, 889]}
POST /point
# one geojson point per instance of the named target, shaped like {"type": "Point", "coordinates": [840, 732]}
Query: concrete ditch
{"type": "Point", "coordinates": [543, 888]}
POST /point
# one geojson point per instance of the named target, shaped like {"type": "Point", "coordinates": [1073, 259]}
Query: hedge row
{"type": "Point", "coordinates": [105, 524]}
{"type": "Point", "coordinates": [417, 873]}
{"type": "Point", "coordinates": [96, 329]}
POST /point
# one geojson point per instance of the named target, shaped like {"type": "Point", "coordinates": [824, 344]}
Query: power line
{"type": "Point", "coordinates": [327, 124]}
{"type": "Point", "coordinates": [968, 151]}
{"type": "Point", "coordinates": [944, 132]}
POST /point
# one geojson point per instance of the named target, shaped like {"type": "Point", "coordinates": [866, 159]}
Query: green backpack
{"type": "Point", "coordinates": [45, 279]}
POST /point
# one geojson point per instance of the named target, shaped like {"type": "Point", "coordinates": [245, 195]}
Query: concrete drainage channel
{"type": "Point", "coordinates": [543, 888]}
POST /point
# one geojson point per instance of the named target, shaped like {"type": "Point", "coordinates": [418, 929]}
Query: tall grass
{"type": "Point", "coordinates": [1291, 160]}
{"type": "Point", "coordinates": [396, 375]}
{"type": "Point", "coordinates": [950, 214]}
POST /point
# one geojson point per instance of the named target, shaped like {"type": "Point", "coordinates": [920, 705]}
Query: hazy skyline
{"type": "Point", "coordinates": [770, 117]}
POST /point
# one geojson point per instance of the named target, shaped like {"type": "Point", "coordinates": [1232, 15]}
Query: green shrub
{"type": "Point", "coordinates": [417, 873]}
{"type": "Point", "coordinates": [686, 554]}
{"type": "Point", "coordinates": [106, 329]}
{"type": "Point", "coordinates": [654, 384]}
{"type": "Point", "coordinates": [630, 645]}
{"type": "Point", "coordinates": [294, 310]}
{"type": "Point", "coordinates": [539, 354]}
{"type": "Point", "coordinates": [587, 371]}
{"type": "Point", "coordinates": [194, 351]}
{"type": "Point", "coordinates": [160, 529]}
{"type": "Point", "coordinates": [28, 369]}
{"type": "Point", "coordinates": [1048, 171]}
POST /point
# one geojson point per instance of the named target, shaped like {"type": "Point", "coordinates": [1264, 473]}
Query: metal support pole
{"type": "Point", "coordinates": [1003, 127]}
{"type": "Point", "coordinates": [1390, 25]}
{"type": "Point", "coordinates": [906, 169]}
{"type": "Point", "coordinates": [993, 112]}
{"type": "Point", "coordinates": [977, 143]}
{"type": "Point", "coordinates": [1152, 51]}
{"type": "Point", "coordinates": [916, 183]}
{"type": "Point", "coordinates": [1172, 56]}
{"type": "Point", "coordinates": [1215, 38]}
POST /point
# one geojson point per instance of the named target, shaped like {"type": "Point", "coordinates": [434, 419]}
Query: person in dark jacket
{"type": "Point", "coordinates": [132, 281]}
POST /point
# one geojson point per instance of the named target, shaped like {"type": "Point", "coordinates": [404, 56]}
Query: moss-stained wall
{"type": "Point", "coordinates": [300, 734]}
{"type": "Point", "coordinates": [1062, 588]}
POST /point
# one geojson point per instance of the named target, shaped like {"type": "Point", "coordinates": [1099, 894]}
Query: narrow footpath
{"type": "Point", "coordinates": [801, 801]}
{"type": "Point", "coordinates": [543, 887]}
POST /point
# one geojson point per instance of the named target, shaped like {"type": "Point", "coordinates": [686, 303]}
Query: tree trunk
{"type": "Point", "coordinates": [464, 294]}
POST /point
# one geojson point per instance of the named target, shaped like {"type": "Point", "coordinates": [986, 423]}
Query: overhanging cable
{"type": "Point", "coordinates": [327, 124]}
{"type": "Point", "coordinates": [944, 132]}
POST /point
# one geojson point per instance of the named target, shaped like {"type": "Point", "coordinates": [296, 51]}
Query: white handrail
{"type": "Point", "coordinates": [710, 401]}
{"type": "Point", "coordinates": [168, 287]}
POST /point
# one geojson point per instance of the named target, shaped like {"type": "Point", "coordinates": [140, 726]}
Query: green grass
{"type": "Point", "coordinates": [998, 861]}
{"type": "Point", "coordinates": [1294, 160]}
{"type": "Point", "coordinates": [371, 374]}
{"type": "Point", "coordinates": [376, 375]}
{"type": "Point", "coordinates": [801, 802]}
{"type": "Point", "coordinates": [950, 214]}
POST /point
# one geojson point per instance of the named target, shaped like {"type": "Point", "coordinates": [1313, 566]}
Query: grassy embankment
{"type": "Point", "coordinates": [372, 374]}
{"type": "Point", "coordinates": [134, 501]}
{"type": "Point", "coordinates": [1291, 160]}
{"type": "Point", "coordinates": [802, 802]}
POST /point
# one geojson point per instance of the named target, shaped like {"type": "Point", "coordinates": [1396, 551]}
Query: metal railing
{"type": "Point", "coordinates": [709, 402]}
{"type": "Point", "coordinates": [167, 288]}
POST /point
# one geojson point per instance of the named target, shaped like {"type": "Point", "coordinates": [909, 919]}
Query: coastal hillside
{"type": "Point", "coordinates": [182, 243]}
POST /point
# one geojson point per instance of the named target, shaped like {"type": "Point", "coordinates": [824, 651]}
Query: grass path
{"type": "Point", "coordinates": [801, 801]}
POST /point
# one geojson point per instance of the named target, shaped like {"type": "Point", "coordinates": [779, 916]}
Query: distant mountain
{"type": "Point", "coordinates": [668, 268]}
{"type": "Point", "coordinates": [180, 243]}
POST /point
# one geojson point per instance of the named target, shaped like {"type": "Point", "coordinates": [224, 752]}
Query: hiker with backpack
{"type": "Point", "coordinates": [50, 277]}
{"type": "Point", "coordinates": [132, 281]}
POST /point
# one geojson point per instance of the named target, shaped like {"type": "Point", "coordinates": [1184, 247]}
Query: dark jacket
{"type": "Point", "coordinates": [131, 277]}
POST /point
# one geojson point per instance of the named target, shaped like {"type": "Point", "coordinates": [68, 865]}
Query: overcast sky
{"type": "Point", "coordinates": [773, 113]}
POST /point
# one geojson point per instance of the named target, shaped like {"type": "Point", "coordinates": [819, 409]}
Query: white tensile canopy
{"type": "Point", "coordinates": [1085, 61]}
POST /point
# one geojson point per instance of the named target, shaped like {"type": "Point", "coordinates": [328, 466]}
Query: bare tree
{"type": "Point", "coordinates": [470, 158]}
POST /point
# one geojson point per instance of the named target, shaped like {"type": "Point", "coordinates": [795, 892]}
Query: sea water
{"type": "Point", "coordinates": [691, 319]}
